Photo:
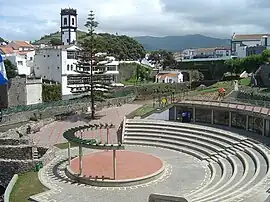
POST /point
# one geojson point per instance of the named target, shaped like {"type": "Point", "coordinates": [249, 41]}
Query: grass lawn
{"type": "Point", "coordinates": [141, 111]}
{"type": "Point", "coordinates": [27, 185]}
{"type": "Point", "coordinates": [224, 84]}
{"type": "Point", "coordinates": [244, 82]}
{"type": "Point", "coordinates": [64, 145]}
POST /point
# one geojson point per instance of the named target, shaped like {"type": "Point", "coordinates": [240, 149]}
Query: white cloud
{"type": "Point", "coordinates": [31, 19]}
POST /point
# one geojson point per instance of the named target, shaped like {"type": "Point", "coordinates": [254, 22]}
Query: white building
{"type": "Point", "coordinates": [55, 64]}
{"type": "Point", "coordinates": [21, 54]}
{"type": "Point", "coordinates": [222, 51]}
{"type": "Point", "coordinates": [242, 41]}
{"type": "Point", "coordinates": [169, 77]}
{"type": "Point", "coordinates": [68, 26]}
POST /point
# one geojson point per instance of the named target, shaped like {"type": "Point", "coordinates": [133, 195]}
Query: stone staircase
{"type": "Point", "coordinates": [237, 163]}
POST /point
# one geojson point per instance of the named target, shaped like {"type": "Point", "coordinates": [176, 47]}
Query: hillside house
{"type": "Point", "coordinates": [169, 77]}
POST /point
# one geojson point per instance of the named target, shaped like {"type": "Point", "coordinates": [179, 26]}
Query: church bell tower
{"type": "Point", "coordinates": [68, 26]}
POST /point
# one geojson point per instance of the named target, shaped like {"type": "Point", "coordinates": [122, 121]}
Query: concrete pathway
{"type": "Point", "coordinates": [53, 133]}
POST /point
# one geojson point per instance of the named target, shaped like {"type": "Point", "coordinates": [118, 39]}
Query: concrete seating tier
{"type": "Point", "coordinates": [236, 163]}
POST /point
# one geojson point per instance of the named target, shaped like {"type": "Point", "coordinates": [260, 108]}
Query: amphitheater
{"type": "Point", "coordinates": [222, 155]}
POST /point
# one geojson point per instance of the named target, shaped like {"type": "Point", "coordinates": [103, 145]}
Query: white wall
{"type": "Point", "coordinates": [48, 64]}
{"type": "Point", "coordinates": [160, 116]}
{"type": "Point", "coordinates": [20, 62]}
{"type": "Point", "coordinates": [34, 91]}
{"type": "Point", "coordinates": [241, 51]}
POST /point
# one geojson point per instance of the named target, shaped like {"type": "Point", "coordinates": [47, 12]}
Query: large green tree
{"type": "Point", "coordinates": [163, 58]}
{"type": "Point", "coordinates": [250, 63]}
{"type": "Point", "coordinates": [91, 78]}
{"type": "Point", "coordinates": [11, 69]}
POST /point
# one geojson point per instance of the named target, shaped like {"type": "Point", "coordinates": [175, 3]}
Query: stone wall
{"type": "Point", "coordinates": [8, 141]}
{"type": "Point", "coordinates": [54, 110]}
{"type": "Point", "coordinates": [9, 167]}
{"type": "Point", "coordinates": [13, 134]}
{"type": "Point", "coordinates": [17, 92]}
{"type": "Point", "coordinates": [16, 152]}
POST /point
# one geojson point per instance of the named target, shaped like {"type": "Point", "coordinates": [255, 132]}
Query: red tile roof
{"type": "Point", "coordinates": [23, 44]}
{"type": "Point", "coordinates": [162, 75]}
{"type": "Point", "coordinates": [6, 50]}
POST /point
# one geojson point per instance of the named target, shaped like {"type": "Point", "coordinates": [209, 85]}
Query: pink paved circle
{"type": "Point", "coordinates": [129, 165]}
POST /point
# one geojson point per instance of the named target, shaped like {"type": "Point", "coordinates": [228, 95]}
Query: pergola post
{"type": "Point", "coordinates": [69, 155]}
{"type": "Point", "coordinates": [80, 160]}
{"type": "Point", "coordinates": [114, 164]}
{"type": "Point", "coordinates": [108, 135]}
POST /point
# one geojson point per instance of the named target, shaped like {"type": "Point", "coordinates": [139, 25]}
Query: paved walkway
{"type": "Point", "coordinates": [129, 165]}
{"type": "Point", "coordinates": [183, 174]}
{"type": "Point", "coordinates": [53, 133]}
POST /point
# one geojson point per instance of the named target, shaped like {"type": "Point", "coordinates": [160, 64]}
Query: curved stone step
{"type": "Point", "coordinates": [227, 173]}
{"type": "Point", "coordinates": [220, 136]}
{"type": "Point", "coordinates": [186, 150]}
{"type": "Point", "coordinates": [238, 170]}
{"type": "Point", "coordinates": [186, 125]}
{"type": "Point", "coordinates": [216, 174]}
{"type": "Point", "coordinates": [209, 137]}
{"type": "Point", "coordinates": [206, 151]}
{"type": "Point", "coordinates": [246, 177]}
{"type": "Point", "coordinates": [210, 145]}
{"type": "Point", "coordinates": [259, 175]}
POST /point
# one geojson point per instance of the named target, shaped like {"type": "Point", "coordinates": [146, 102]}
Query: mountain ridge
{"type": "Point", "coordinates": [168, 43]}
{"type": "Point", "coordinates": [177, 43]}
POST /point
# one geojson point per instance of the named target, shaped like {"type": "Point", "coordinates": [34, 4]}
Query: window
{"type": "Point", "coordinates": [68, 67]}
{"type": "Point", "coordinates": [71, 67]}
{"type": "Point", "coordinates": [20, 62]}
{"type": "Point", "coordinates": [48, 55]}
{"type": "Point", "coordinates": [31, 58]}
{"type": "Point", "coordinates": [44, 56]}
{"type": "Point", "coordinates": [62, 33]}
{"type": "Point", "coordinates": [57, 67]}
{"type": "Point", "coordinates": [73, 21]}
{"type": "Point", "coordinates": [44, 77]}
{"type": "Point", "coordinates": [111, 68]}
{"type": "Point", "coordinates": [57, 55]}
{"type": "Point", "coordinates": [71, 55]}
{"type": "Point", "coordinates": [65, 21]}
{"type": "Point", "coordinates": [67, 40]}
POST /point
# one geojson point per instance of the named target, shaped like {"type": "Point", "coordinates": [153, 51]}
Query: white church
{"type": "Point", "coordinates": [58, 63]}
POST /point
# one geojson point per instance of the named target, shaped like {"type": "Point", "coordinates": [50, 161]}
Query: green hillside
{"type": "Point", "coordinates": [122, 47]}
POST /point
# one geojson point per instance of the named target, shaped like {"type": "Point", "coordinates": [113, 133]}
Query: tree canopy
{"type": "Point", "coordinates": [120, 46]}
{"type": "Point", "coordinates": [11, 69]}
{"type": "Point", "coordinates": [162, 58]}
{"type": "Point", "coordinates": [249, 63]}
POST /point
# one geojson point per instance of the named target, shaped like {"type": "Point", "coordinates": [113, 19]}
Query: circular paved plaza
{"type": "Point", "coordinates": [129, 165]}
{"type": "Point", "coordinates": [183, 174]}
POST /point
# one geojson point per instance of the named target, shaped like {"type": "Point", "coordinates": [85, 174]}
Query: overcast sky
{"type": "Point", "coordinates": [31, 19]}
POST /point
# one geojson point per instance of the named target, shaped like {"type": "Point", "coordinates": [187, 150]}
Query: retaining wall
{"type": "Point", "coordinates": [55, 110]}
{"type": "Point", "coordinates": [9, 167]}
{"type": "Point", "coordinates": [15, 152]}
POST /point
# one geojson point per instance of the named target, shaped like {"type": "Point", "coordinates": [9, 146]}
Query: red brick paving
{"type": "Point", "coordinates": [129, 164]}
{"type": "Point", "coordinates": [53, 133]}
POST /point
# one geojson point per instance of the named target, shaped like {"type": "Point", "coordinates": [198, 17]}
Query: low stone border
{"type": "Point", "coordinates": [114, 183]}
{"type": "Point", "coordinates": [10, 187]}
